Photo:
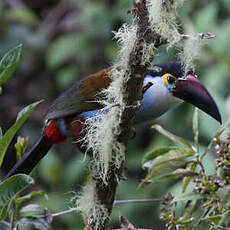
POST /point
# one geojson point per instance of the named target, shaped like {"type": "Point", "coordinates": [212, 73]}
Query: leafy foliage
{"type": "Point", "coordinates": [9, 63]}
{"type": "Point", "coordinates": [8, 136]}
{"type": "Point", "coordinates": [34, 216]}
{"type": "Point", "coordinates": [167, 159]}
{"type": "Point", "coordinates": [211, 191]}
{"type": "Point", "coordinates": [9, 189]}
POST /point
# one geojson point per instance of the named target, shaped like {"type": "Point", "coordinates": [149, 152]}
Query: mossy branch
{"type": "Point", "coordinates": [131, 74]}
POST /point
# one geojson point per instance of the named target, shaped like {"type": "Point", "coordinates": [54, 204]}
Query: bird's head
{"type": "Point", "coordinates": [171, 86]}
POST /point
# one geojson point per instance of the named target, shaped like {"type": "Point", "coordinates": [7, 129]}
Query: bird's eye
{"type": "Point", "coordinates": [168, 79]}
{"type": "Point", "coordinates": [171, 80]}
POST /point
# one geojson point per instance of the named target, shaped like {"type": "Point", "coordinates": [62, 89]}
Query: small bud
{"type": "Point", "coordinates": [21, 146]}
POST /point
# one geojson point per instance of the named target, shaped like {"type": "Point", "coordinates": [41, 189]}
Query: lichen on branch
{"type": "Point", "coordinates": [163, 16]}
{"type": "Point", "coordinates": [103, 129]}
{"type": "Point", "coordinates": [94, 213]}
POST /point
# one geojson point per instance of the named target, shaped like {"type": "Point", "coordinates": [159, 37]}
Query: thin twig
{"type": "Point", "coordinates": [64, 212]}
{"type": "Point", "coordinates": [116, 202]}
{"type": "Point", "coordinates": [215, 226]}
{"type": "Point", "coordinates": [12, 216]}
{"type": "Point", "coordinates": [198, 160]}
{"type": "Point", "coordinates": [207, 35]}
{"type": "Point", "coordinates": [108, 108]}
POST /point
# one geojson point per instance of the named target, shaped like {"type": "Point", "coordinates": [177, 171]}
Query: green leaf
{"type": "Point", "coordinates": [8, 136]}
{"type": "Point", "coordinates": [178, 173]}
{"type": "Point", "coordinates": [29, 196]}
{"type": "Point", "coordinates": [34, 217]}
{"type": "Point", "coordinates": [11, 187]}
{"type": "Point", "coordinates": [156, 153]}
{"type": "Point", "coordinates": [33, 210]}
{"type": "Point", "coordinates": [215, 219]}
{"type": "Point", "coordinates": [172, 137]}
{"type": "Point", "coordinates": [224, 221]}
{"type": "Point", "coordinates": [28, 108]}
{"type": "Point", "coordinates": [9, 63]}
{"type": "Point", "coordinates": [187, 197]}
{"type": "Point", "coordinates": [164, 156]}
{"type": "Point", "coordinates": [171, 159]}
{"type": "Point", "coordinates": [33, 223]}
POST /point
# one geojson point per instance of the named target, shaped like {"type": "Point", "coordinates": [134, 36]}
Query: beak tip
{"type": "Point", "coordinates": [217, 115]}
{"type": "Point", "coordinates": [219, 119]}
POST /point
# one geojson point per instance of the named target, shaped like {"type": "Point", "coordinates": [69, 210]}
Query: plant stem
{"type": "Point", "coordinates": [64, 212]}
{"type": "Point", "coordinates": [12, 217]}
{"type": "Point", "coordinates": [116, 202]}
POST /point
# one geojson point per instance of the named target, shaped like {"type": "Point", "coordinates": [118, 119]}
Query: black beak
{"type": "Point", "coordinates": [192, 91]}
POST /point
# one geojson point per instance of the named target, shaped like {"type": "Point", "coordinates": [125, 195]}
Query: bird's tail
{"type": "Point", "coordinates": [31, 158]}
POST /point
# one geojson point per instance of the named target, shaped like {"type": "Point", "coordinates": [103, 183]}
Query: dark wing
{"type": "Point", "coordinates": [80, 97]}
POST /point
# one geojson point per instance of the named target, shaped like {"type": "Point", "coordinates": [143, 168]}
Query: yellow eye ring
{"type": "Point", "coordinates": [168, 79]}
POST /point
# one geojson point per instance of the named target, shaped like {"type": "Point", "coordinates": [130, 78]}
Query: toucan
{"type": "Point", "coordinates": [169, 87]}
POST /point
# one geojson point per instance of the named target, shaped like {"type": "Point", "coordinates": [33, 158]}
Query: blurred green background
{"type": "Point", "coordinates": [66, 40]}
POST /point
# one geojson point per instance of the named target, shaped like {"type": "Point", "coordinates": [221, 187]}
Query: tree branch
{"type": "Point", "coordinates": [132, 94]}
{"type": "Point", "coordinates": [64, 212]}
{"type": "Point", "coordinates": [116, 202]}
{"type": "Point", "coordinates": [204, 36]}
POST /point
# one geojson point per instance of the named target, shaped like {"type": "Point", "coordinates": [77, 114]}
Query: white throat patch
{"type": "Point", "coordinates": [156, 101]}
